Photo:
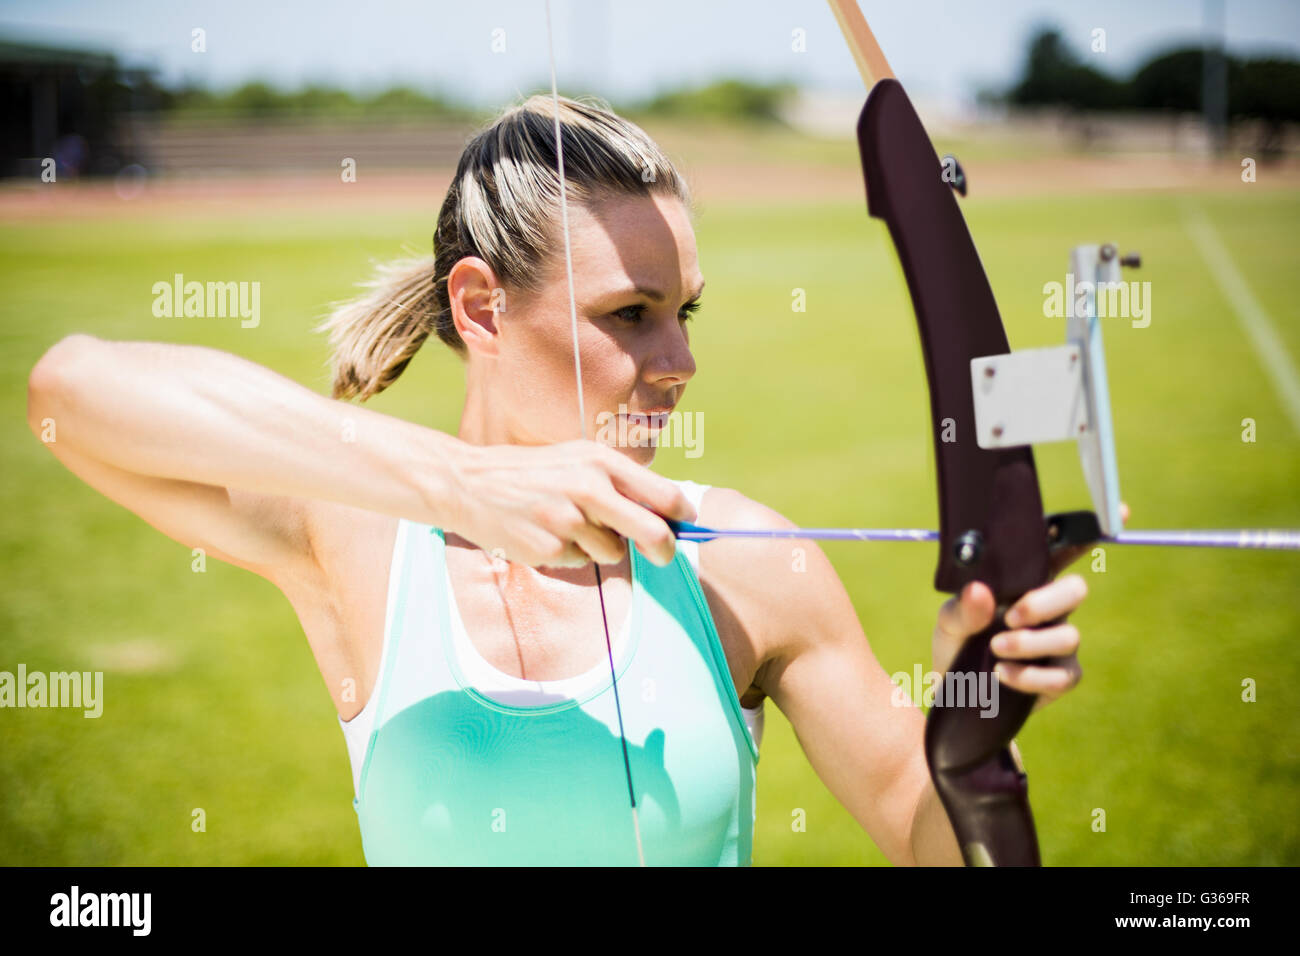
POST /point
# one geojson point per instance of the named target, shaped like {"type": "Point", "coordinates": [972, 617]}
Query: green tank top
{"type": "Point", "coordinates": [457, 775]}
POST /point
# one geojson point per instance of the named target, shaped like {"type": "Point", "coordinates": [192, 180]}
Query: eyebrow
{"type": "Point", "coordinates": [654, 294]}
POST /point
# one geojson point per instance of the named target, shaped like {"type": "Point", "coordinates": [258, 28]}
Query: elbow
{"type": "Point", "coordinates": [50, 376]}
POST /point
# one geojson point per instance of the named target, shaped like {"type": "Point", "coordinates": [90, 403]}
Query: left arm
{"type": "Point", "coordinates": [862, 734]}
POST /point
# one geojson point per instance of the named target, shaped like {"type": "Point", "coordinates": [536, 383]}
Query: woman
{"type": "Point", "coordinates": [445, 584]}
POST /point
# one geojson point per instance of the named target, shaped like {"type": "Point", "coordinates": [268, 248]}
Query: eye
{"type": "Point", "coordinates": [633, 314]}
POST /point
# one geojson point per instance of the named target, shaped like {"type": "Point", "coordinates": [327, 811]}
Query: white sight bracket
{"type": "Point", "coordinates": [1060, 394]}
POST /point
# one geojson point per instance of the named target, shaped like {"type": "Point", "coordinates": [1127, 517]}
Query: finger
{"type": "Point", "coordinates": [567, 540]}
{"type": "Point", "coordinates": [553, 552]}
{"type": "Point", "coordinates": [598, 544]}
{"type": "Point", "coordinates": [619, 516]}
{"type": "Point", "coordinates": [1048, 602]}
{"type": "Point", "coordinates": [654, 492]}
{"type": "Point", "coordinates": [579, 540]}
{"type": "Point", "coordinates": [967, 612]}
{"type": "Point", "coordinates": [1062, 640]}
{"type": "Point", "coordinates": [1049, 679]}
{"type": "Point", "coordinates": [608, 509]}
{"type": "Point", "coordinates": [1123, 512]}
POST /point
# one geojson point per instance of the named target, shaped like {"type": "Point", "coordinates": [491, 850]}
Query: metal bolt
{"type": "Point", "coordinates": [968, 548]}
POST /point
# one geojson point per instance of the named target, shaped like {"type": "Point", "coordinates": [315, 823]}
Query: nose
{"type": "Point", "coordinates": [673, 363]}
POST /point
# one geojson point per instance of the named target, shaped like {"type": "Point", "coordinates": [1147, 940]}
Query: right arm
{"type": "Point", "coordinates": [220, 453]}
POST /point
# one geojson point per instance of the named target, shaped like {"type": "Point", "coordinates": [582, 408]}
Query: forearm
{"type": "Point", "coordinates": [202, 415]}
{"type": "Point", "coordinates": [933, 841]}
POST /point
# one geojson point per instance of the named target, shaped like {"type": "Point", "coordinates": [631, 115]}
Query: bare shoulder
{"type": "Point", "coordinates": [769, 595]}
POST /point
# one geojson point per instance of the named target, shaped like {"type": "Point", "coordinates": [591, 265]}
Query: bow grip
{"type": "Point", "coordinates": [968, 749]}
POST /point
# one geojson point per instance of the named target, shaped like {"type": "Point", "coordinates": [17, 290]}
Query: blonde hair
{"type": "Point", "coordinates": [503, 206]}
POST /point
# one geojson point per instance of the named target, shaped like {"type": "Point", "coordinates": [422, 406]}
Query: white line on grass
{"type": "Point", "coordinates": [1268, 344]}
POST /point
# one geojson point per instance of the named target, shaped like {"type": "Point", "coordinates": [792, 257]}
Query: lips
{"type": "Point", "coordinates": [651, 418]}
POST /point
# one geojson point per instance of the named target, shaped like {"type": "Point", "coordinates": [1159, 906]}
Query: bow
{"type": "Point", "coordinates": [991, 523]}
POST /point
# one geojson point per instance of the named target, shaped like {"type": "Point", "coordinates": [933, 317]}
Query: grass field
{"type": "Point", "coordinates": [213, 701]}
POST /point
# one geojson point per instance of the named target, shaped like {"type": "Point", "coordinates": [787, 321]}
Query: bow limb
{"type": "Point", "coordinates": [862, 42]}
{"type": "Point", "coordinates": [992, 527]}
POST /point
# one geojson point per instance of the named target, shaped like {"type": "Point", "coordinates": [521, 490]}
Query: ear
{"type": "Point", "coordinates": [476, 299]}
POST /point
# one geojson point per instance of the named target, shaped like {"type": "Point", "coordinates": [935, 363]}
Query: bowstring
{"type": "Point", "coordinates": [582, 415]}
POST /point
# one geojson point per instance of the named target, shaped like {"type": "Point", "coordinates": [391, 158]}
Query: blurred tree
{"type": "Point", "coordinates": [1054, 75]}
{"type": "Point", "coordinates": [732, 99]}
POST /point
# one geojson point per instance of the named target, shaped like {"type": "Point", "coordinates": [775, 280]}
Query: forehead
{"type": "Point", "coordinates": [648, 239]}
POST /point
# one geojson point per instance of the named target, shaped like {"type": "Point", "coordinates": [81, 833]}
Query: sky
{"type": "Point", "coordinates": [491, 51]}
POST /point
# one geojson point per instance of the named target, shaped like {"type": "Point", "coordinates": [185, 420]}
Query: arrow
{"type": "Point", "coordinates": [1262, 539]}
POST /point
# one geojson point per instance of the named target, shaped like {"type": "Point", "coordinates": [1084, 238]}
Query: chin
{"type": "Point", "coordinates": [641, 454]}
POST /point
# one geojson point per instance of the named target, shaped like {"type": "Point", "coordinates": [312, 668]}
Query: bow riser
{"type": "Point", "coordinates": [991, 523]}
{"type": "Point", "coordinates": [991, 492]}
